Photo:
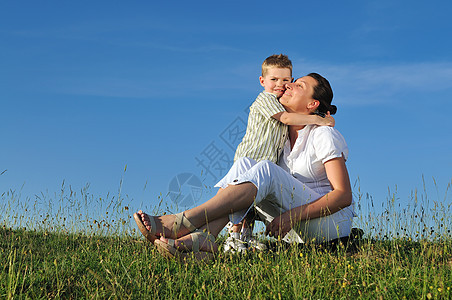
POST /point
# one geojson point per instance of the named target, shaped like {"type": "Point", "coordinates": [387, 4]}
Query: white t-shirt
{"type": "Point", "coordinates": [315, 146]}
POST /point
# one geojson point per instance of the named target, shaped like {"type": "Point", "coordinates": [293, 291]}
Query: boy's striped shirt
{"type": "Point", "coordinates": [265, 136]}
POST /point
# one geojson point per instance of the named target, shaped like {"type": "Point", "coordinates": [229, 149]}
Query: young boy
{"type": "Point", "coordinates": [266, 134]}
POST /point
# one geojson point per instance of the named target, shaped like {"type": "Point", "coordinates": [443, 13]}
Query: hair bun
{"type": "Point", "coordinates": [332, 109]}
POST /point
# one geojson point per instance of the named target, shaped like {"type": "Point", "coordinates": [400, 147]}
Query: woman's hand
{"type": "Point", "coordinates": [280, 225]}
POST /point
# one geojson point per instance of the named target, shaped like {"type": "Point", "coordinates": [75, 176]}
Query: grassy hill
{"type": "Point", "coordinates": [58, 264]}
{"type": "Point", "coordinates": [75, 245]}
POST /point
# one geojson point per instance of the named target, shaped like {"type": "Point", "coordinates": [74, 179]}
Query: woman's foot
{"type": "Point", "coordinates": [198, 245]}
{"type": "Point", "coordinates": [194, 242]}
{"type": "Point", "coordinates": [148, 232]}
{"type": "Point", "coordinates": [169, 226]}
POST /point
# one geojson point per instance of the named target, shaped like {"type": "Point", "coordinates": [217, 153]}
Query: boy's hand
{"type": "Point", "coordinates": [328, 120]}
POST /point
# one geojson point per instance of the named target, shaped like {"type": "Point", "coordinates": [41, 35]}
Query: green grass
{"type": "Point", "coordinates": [42, 265]}
{"type": "Point", "coordinates": [74, 245]}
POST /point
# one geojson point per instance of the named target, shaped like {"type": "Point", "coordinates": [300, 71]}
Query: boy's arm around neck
{"type": "Point", "coordinates": [300, 119]}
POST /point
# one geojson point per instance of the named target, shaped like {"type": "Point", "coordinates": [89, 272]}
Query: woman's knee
{"type": "Point", "coordinates": [265, 170]}
{"type": "Point", "coordinates": [266, 166]}
{"type": "Point", "coordinates": [240, 166]}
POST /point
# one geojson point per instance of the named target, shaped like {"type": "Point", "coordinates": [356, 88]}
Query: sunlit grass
{"type": "Point", "coordinates": [72, 244]}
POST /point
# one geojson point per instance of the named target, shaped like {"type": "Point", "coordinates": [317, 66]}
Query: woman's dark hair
{"type": "Point", "coordinates": [324, 94]}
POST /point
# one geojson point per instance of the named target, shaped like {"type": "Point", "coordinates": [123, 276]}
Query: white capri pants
{"type": "Point", "coordinates": [278, 192]}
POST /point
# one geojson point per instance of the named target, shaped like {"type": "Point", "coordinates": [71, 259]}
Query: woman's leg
{"type": "Point", "coordinates": [237, 197]}
{"type": "Point", "coordinates": [272, 181]}
{"type": "Point", "coordinates": [264, 180]}
{"type": "Point", "coordinates": [240, 166]}
{"type": "Point", "coordinates": [163, 224]}
{"type": "Point", "coordinates": [231, 199]}
{"type": "Point", "coordinates": [214, 228]}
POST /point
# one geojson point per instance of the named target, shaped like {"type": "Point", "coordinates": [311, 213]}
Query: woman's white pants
{"type": "Point", "coordinates": [278, 192]}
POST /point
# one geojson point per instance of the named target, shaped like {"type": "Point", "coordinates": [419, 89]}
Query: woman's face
{"type": "Point", "coordinates": [298, 95]}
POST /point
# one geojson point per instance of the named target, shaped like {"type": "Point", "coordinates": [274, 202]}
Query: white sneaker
{"type": "Point", "coordinates": [253, 243]}
{"type": "Point", "coordinates": [232, 245]}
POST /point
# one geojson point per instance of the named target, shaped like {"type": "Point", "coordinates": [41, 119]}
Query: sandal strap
{"type": "Point", "coordinates": [149, 234]}
{"type": "Point", "coordinates": [195, 239]}
{"type": "Point", "coordinates": [153, 225]}
{"type": "Point", "coordinates": [182, 220]}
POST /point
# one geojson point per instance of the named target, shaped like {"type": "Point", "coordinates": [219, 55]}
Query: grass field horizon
{"type": "Point", "coordinates": [78, 245]}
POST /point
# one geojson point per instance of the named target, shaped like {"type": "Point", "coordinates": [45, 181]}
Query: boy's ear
{"type": "Point", "coordinates": [261, 80]}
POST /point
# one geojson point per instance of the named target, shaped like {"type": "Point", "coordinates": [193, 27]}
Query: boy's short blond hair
{"type": "Point", "coordinates": [276, 61]}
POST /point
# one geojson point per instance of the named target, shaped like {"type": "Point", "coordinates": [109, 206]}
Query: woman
{"type": "Point", "coordinates": [308, 196]}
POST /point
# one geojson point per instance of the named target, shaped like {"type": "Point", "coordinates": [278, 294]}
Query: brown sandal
{"type": "Point", "coordinates": [151, 235]}
{"type": "Point", "coordinates": [169, 251]}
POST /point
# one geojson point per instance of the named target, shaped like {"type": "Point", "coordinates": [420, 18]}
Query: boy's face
{"type": "Point", "coordinates": [275, 80]}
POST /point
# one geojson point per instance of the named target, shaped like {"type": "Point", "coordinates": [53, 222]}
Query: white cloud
{"type": "Point", "coordinates": [353, 84]}
{"type": "Point", "coordinates": [371, 84]}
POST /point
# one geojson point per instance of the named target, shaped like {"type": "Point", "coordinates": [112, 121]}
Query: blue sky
{"type": "Point", "coordinates": [87, 88]}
